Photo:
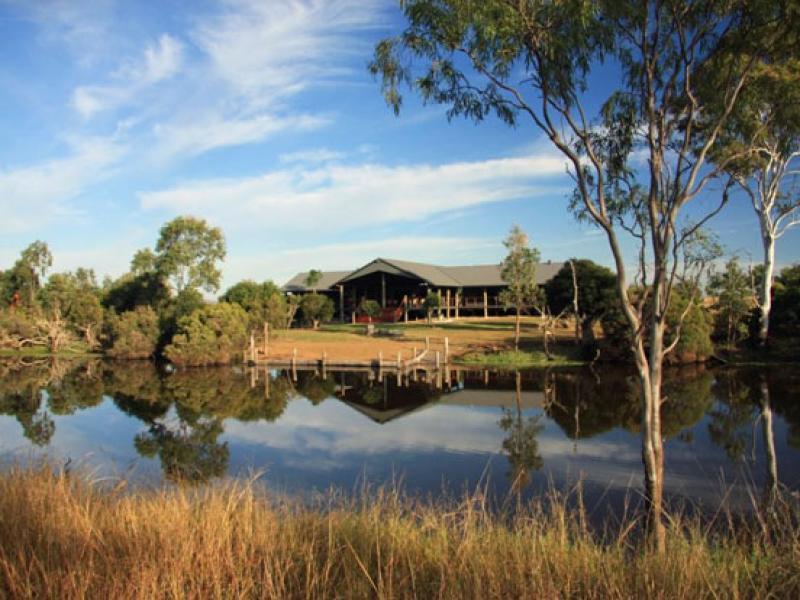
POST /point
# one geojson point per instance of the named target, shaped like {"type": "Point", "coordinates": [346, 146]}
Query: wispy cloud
{"type": "Point", "coordinates": [160, 61]}
{"type": "Point", "coordinates": [34, 196]}
{"type": "Point", "coordinates": [335, 197]}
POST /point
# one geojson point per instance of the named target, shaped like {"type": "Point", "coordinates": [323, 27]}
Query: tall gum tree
{"type": "Point", "coordinates": [530, 61]}
{"type": "Point", "coordinates": [763, 137]}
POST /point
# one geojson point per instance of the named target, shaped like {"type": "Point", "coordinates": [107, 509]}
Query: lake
{"type": "Point", "coordinates": [504, 432]}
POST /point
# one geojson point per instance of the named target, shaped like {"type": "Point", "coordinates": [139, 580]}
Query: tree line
{"type": "Point", "coordinates": [156, 309]}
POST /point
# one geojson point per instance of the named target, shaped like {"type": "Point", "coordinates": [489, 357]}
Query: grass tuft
{"type": "Point", "coordinates": [65, 536]}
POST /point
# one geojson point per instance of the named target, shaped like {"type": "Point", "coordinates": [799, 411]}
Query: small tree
{"type": "Point", "coordinates": [731, 289]}
{"type": "Point", "coordinates": [264, 302]}
{"type": "Point", "coordinates": [431, 303]}
{"type": "Point", "coordinates": [133, 334]}
{"type": "Point", "coordinates": [211, 335]}
{"type": "Point", "coordinates": [518, 270]}
{"type": "Point", "coordinates": [312, 279]}
{"type": "Point", "coordinates": [596, 293]}
{"type": "Point", "coordinates": [370, 308]}
{"type": "Point", "coordinates": [187, 254]}
{"type": "Point", "coordinates": [316, 308]}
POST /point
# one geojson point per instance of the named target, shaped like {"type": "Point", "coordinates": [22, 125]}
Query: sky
{"type": "Point", "coordinates": [261, 117]}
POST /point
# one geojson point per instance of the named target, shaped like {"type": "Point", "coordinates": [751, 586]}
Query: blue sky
{"type": "Point", "coordinates": [260, 117]}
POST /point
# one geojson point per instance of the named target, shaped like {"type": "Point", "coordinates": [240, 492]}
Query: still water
{"type": "Point", "coordinates": [504, 432]}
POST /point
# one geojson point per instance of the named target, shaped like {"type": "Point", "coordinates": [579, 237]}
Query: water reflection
{"type": "Point", "coordinates": [312, 429]}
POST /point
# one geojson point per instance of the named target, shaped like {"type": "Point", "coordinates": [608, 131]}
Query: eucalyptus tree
{"type": "Point", "coordinates": [518, 270]}
{"type": "Point", "coordinates": [187, 253]}
{"type": "Point", "coordinates": [763, 140]}
{"type": "Point", "coordinates": [534, 62]}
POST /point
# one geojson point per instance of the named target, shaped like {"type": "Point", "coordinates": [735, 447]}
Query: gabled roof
{"type": "Point", "coordinates": [429, 273]}
{"type": "Point", "coordinates": [327, 281]}
{"type": "Point", "coordinates": [434, 275]}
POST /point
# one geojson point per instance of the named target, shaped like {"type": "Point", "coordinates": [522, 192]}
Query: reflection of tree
{"type": "Point", "coordinates": [315, 388]}
{"type": "Point", "coordinates": [188, 452]}
{"type": "Point", "coordinates": [586, 406]}
{"type": "Point", "coordinates": [224, 393]}
{"type": "Point", "coordinates": [78, 389]}
{"type": "Point", "coordinates": [739, 394]}
{"type": "Point", "coordinates": [731, 419]}
{"type": "Point", "coordinates": [520, 445]}
{"type": "Point", "coordinates": [21, 394]}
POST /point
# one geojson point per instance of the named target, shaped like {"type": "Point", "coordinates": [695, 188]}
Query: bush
{"type": "Point", "coordinates": [694, 344]}
{"type": "Point", "coordinates": [214, 334]}
{"type": "Point", "coordinates": [263, 302]}
{"type": "Point", "coordinates": [133, 334]}
{"type": "Point", "coordinates": [16, 326]}
{"type": "Point", "coordinates": [316, 308]}
{"type": "Point", "coordinates": [369, 308]}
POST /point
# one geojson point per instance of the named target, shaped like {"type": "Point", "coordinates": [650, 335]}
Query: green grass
{"type": "Point", "coordinates": [41, 351]}
{"type": "Point", "coordinates": [519, 358]}
{"type": "Point", "coordinates": [65, 536]}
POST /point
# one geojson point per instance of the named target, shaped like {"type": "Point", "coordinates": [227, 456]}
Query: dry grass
{"type": "Point", "coordinates": [64, 537]}
{"type": "Point", "coordinates": [467, 335]}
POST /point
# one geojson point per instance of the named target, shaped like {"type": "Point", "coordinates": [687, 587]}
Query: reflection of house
{"type": "Point", "coordinates": [400, 287]}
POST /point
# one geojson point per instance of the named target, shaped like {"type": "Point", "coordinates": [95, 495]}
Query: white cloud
{"type": "Point", "coordinates": [271, 50]}
{"type": "Point", "coordinates": [160, 61]}
{"type": "Point", "coordinates": [336, 197]}
{"type": "Point", "coordinates": [318, 155]}
{"type": "Point", "coordinates": [197, 136]}
{"type": "Point", "coordinates": [33, 196]}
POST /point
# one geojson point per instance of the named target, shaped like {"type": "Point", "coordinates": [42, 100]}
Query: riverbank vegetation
{"type": "Point", "coordinates": [63, 535]}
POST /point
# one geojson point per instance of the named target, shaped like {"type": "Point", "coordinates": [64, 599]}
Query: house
{"type": "Point", "coordinates": [400, 287]}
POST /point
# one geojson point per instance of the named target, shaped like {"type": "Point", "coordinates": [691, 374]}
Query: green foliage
{"type": "Point", "coordinates": [187, 253]}
{"type": "Point", "coordinates": [694, 329]}
{"type": "Point", "coordinates": [214, 334]}
{"type": "Point", "coordinates": [786, 303]}
{"type": "Point", "coordinates": [733, 292]}
{"type": "Point", "coordinates": [312, 279]}
{"type": "Point", "coordinates": [76, 297]}
{"type": "Point", "coordinates": [518, 270]}
{"type": "Point", "coordinates": [263, 302]}
{"type": "Point", "coordinates": [173, 310]}
{"type": "Point", "coordinates": [133, 334]}
{"type": "Point", "coordinates": [597, 291]}
{"type": "Point", "coordinates": [431, 303]}
{"type": "Point", "coordinates": [131, 291]}
{"type": "Point", "coordinates": [370, 308]}
{"type": "Point", "coordinates": [521, 446]}
{"type": "Point", "coordinates": [21, 283]}
{"type": "Point", "coordinates": [316, 309]}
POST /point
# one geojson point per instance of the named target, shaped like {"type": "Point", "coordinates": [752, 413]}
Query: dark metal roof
{"type": "Point", "coordinates": [435, 275]}
{"type": "Point", "coordinates": [326, 282]}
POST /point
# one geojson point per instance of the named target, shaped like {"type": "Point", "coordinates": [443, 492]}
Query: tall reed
{"type": "Point", "coordinates": [64, 536]}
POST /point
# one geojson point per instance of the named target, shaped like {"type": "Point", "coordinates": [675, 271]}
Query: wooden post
{"type": "Point", "coordinates": [252, 347]}
{"type": "Point", "coordinates": [253, 377]}
{"type": "Point", "coordinates": [414, 354]}
{"type": "Point", "coordinates": [383, 290]}
{"type": "Point", "coordinates": [294, 364]}
{"type": "Point", "coordinates": [399, 360]}
{"type": "Point", "coordinates": [438, 360]}
{"type": "Point", "coordinates": [266, 339]}
{"type": "Point", "coordinates": [266, 383]}
{"type": "Point", "coordinates": [341, 303]}
{"type": "Point", "coordinates": [427, 343]}
{"type": "Point", "coordinates": [485, 304]}
{"type": "Point", "coordinates": [324, 364]}
{"type": "Point", "coordinates": [439, 310]}
{"type": "Point", "coordinates": [486, 377]}
{"type": "Point", "coordinates": [446, 350]}
{"type": "Point", "coordinates": [380, 365]}
{"type": "Point", "coordinates": [405, 308]}
{"type": "Point", "coordinates": [353, 317]}
{"type": "Point", "coordinates": [447, 304]}
{"type": "Point", "coordinates": [458, 301]}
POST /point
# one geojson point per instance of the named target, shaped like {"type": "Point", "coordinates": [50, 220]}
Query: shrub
{"type": "Point", "coordinates": [316, 308]}
{"type": "Point", "coordinates": [214, 334]}
{"type": "Point", "coordinates": [133, 334]}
